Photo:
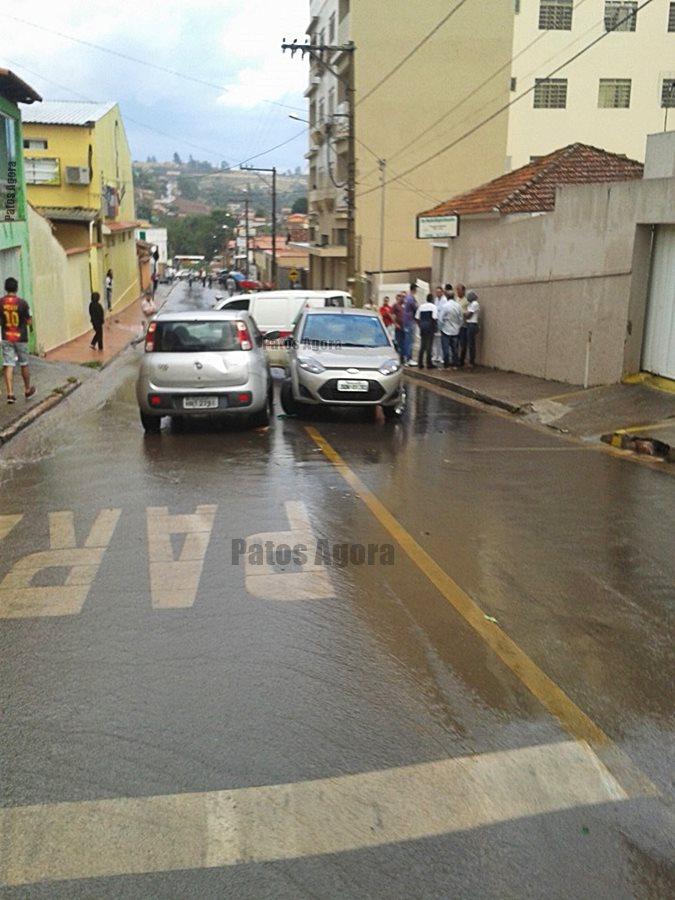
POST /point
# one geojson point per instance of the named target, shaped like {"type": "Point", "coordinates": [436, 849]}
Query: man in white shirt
{"type": "Point", "coordinates": [427, 318]}
{"type": "Point", "coordinates": [450, 321]}
{"type": "Point", "coordinates": [436, 354]}
{"type": "Point", "coordinates": [471, 317]}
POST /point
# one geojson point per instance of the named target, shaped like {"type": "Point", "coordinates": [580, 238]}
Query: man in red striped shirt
{"type": "Point", "coordinates": [15, 320]}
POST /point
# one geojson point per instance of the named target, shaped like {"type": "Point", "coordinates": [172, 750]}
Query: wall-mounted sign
{"type": "Point", "coordinates": [437, 226]}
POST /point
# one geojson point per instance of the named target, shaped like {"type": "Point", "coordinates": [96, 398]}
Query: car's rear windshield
{"type": "Point", "coordinates": [344, 330]}
{"type": "Point", "coordinates": [193, 337]}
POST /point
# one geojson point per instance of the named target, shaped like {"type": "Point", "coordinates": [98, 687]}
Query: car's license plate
{"type": "Point", "coordinates": [200, 403]}
{"type": "Point", "coordinates": [353, 386]}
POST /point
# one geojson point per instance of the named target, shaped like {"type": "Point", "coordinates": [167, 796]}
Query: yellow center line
{"type": "Point", "coordinates": [655, 427]}
{"type": "Point", "coordinates": [573, 719]}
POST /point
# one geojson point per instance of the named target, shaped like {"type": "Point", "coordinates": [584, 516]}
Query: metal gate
{"type": "Point", "coordinates": [658, 352]}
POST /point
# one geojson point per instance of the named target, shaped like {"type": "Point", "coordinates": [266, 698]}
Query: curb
{"type": "Point", "coordinates": [40, 409]}
{"type": "Point", "coordinates": [455, 388]}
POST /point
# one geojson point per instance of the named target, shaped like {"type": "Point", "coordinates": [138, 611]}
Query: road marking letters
{"type": "Point", "coordinates": [174, 582]}
{"type": "Point", "coordinates": [265, 580]}
{"type": "Point", "coordinates": [20, 598]}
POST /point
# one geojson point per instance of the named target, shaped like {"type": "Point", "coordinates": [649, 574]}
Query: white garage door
{"type": "Point", "coordinates": [658, 355]}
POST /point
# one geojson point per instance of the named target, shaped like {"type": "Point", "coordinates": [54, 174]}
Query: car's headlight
{"type": "Point", "coordinates": [311, 365]}
{"type": "Point", "coordinates": [389, 367]}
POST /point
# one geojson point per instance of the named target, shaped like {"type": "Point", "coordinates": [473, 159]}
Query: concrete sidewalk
{"type": "Point", "coordinates": [119, 330]}
{"type": "Point", "coordinates": [587, 413]}
{"type": "Point", "coordinates": [53, 380]}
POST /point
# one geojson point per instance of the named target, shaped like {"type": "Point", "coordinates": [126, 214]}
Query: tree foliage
{"type": "Point", "coordinates": [200, 235]}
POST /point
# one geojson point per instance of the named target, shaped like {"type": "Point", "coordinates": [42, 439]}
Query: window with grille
{"type": "Point", "coordinates": [41, 171]}
{"type": "Point", "coordinates": [668, 93]}
{"type": "Point", "coordinates": [555, 15]}
{"type": "Point", "coordinates": [620, 15]}
{"type": "Point", "coordinates": [550, 93]}
{"type": "Point", "coordinates": [614, 93]}
{"type": "Point", "coordinates": [671, 17]}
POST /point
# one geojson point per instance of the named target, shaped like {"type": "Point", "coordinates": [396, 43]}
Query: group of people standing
{"type": "Point", "coordinates": [97, 313]}
{"type": "Point", "coordinates": [448, 324]}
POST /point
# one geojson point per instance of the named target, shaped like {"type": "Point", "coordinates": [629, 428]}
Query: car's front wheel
{"type": "Point", "coordinates": [396, 411]}
{"type": "Point", "coordinates": [151, 424]}
{"type": "Point", "coordinates": [288, 402]}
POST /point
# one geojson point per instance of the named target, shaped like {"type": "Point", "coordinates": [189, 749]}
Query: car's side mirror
{"type": "Point", "coordinates": [272, 335]}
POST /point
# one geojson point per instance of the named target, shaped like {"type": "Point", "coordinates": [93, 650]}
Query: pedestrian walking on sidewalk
{"type": "Point", "coordinates": [427, 319]}
{"type": "Point", "coordinates": [450, 322]}
{"type": "Point", "coordinates": [409, 313]}
{"type": "Point", "coordinates": [108, 289]}
{"type": "Point", "coordinates": [471, 317]}
{"type": "Point", "coordinates": [460, 296]}
{"type": "Point", "coordinates": [15, 320]}
{"type": "Point", "coordinates": [97, 318]}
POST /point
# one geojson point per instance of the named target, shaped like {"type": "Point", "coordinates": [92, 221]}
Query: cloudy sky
{"type": "Point", "coordinates": [233, 45]}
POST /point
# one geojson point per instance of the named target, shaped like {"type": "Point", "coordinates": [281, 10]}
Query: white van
{"type": "Point", "coordinates": [278, 310]}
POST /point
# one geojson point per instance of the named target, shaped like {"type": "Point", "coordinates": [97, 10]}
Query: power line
{"type": "Point", "coordinates": [507, 65]}
{"type": "Point", "coordinates": [414, 50]}
{"type": "Point", "coordinates": [135, 59]}
{"type": "Point", "coordinates": [506, 106]}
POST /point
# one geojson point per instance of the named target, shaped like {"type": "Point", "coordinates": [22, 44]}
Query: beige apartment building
{"type": "Point", "coordinates": [485, 54]}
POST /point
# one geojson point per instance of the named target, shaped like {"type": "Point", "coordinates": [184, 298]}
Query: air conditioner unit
{"type": "Point", "coordinates": [315, 80]}
{"type": "Point", "coordinates": [77, 175]}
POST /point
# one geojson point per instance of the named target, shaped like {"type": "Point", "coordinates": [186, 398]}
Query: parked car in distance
{"type": "Point", "coordinates": [342, 357]}
{"type": "Point", "coordinates": [204, 363]}
{"type": "Point", "coordinates": [278, 310]}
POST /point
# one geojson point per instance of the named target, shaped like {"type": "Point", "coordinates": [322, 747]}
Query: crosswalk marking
{"type": "Point", "coordinates": [174, 582]}
{"type": "Point", "coordinates": [20, 598]}
{"type": "Point", "coordinates": [287, 821]}
{"type": "Point", "coordinates": [266, 582]}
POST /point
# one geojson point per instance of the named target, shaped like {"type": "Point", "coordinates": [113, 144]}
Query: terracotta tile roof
{"type": "Point", "coordinates": [15, 89]}
{"type": "Point", "coordinates": [532, 188]}
{"type": "Point", "coordinates": [121, 226]}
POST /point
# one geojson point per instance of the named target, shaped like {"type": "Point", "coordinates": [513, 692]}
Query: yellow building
{"type": "Point", "coordinates": [79, 177]}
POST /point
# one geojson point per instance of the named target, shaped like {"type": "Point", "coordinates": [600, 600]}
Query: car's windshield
{"type": "Point", "coordinates": [193, 337]}
{"type": "Point", "coordinates": [344, 330]}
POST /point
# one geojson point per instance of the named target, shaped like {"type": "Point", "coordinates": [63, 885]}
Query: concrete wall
{"type": "Point", "coordinates": [546, 281]}
{"type": "Point", "coordinates": [61, 290]}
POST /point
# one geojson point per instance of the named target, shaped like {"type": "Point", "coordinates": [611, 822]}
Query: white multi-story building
{"type": "Point", "coordinates": [612, 97]}
{"type": "Point", "coordinates": [427, 117]}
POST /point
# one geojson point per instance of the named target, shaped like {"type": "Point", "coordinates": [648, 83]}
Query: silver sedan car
{"type": "Point", "coordinates": [203, 364]}
{"type": "Point", "coordinates": [342, 357]}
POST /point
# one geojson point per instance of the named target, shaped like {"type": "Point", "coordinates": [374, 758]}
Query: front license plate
{"type": "Point", "coordinates": [360, 387]}
{"type": "Point", "coordinates": [200, 403]}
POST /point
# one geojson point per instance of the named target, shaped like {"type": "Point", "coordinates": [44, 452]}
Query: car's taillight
{"type": "Point", "coordinates": [150, 337]}
{"type": "Point", "coordinates": [243, 336]}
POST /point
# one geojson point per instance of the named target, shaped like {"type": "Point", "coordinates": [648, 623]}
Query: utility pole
{"type": "Point", "coordinates": [246, 202]}
{"type": "Point", "coordinates": [315, 52]}
{"type": "Point", "coordinates": [382, 163]}
{"type": "Point", "coordinates": [273, 170]}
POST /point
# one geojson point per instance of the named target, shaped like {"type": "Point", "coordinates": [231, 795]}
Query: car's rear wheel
{"type": "Point", "coordinates": [262, 418]}
{"type": "Point", "coordinates": [151, 424]}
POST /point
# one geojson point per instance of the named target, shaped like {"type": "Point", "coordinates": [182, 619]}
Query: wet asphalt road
{"type": "Point", "coordinates": [159, 666]}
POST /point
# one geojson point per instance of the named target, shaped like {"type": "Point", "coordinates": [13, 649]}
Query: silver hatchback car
{"type": "Point", "coordinates": [203, 364]}
{"type": "Point", "coordinates": [342, 357]}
